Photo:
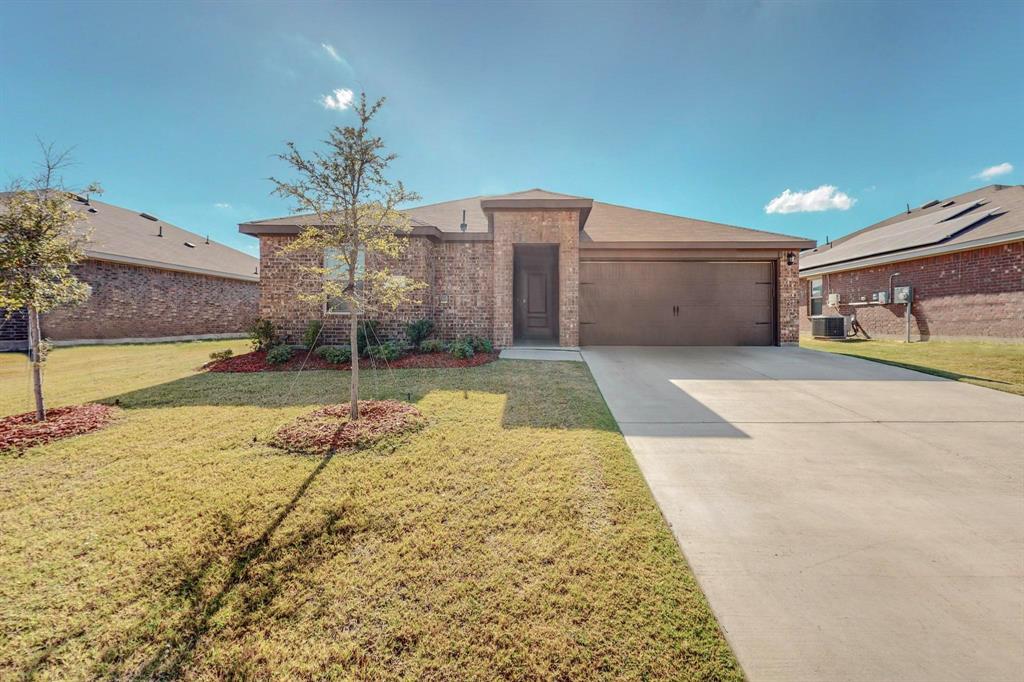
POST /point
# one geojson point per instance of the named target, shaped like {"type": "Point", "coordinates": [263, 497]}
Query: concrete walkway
{"type": "Point", "coordinates": [541, 353]}
{"type": "Point", "coordinates": [847, 520]}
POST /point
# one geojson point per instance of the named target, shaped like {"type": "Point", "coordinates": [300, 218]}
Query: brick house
{"type": "Point", "coordinates": [963, 257]}
{"type": "Point", "coordinates": [537, 267]}
{"type": "Point", "coordinates": [150, 281]}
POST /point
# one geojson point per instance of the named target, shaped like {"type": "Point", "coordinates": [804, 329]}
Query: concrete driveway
{"type": "Point", "coordinates": [847, 520]}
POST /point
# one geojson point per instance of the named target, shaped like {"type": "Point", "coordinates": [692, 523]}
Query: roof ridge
{"type": "Point", "coordinates": [701, 220]}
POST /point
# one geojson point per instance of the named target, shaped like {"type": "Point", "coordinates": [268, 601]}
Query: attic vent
{"type": "Point", "coordinates": [931, 203]}
{"type": "Point", "coordinates": [148, 216]}
{"type": "Point", "coordinates": [948, 203]}
{"type": "Point", "coordinates": [190, 245]}
{"type": "Point", "coordinates": [93, 210]}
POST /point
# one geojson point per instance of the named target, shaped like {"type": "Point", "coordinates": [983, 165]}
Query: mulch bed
{"type": "Point", "coordinates": [256, 361]}
{"type": "Point", "coordinates": [329, 429]}
{"type": "Point", "coordinates": [22, 431]}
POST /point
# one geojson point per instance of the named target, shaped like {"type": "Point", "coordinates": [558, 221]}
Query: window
{"type": "Point", "coordinates": [816, 296]}
{"type": "Point", "coordinates": [338, 271]}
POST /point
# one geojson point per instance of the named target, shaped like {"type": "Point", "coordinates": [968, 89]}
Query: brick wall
{"type": "Point", "coordinates": [976, 294]}
{"type": "Point", "coordinates": [464, 286]}
{"type": "Point", "coordinates": [560, 227]}
{"type": "Point", "coordinates": [788, 282]}
{"type": "Point", "coordinates": [13, 330]}
{"type": "Point", "coordinates": [130, 301]}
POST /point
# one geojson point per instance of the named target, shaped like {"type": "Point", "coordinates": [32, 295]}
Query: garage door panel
{"type": "Point", "coordinates": [676, 303]}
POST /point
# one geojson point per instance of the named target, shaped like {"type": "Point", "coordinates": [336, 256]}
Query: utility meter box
{"type": "Point", "coordinates": [833, 299]}
{"type": "Point", "coordinates": [902, 294]}
{"type": "Point", "coordinates": [882, 297]}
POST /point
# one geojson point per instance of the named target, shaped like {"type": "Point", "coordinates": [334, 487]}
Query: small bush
{"type": "Point", "coordinates": [262, 334]}
{"type": "Point", "coordinates": [432, 346]}
{"type": "Point", "coordinates": [221, 354]}
{"type": "Point", "coordinates": [312, 334]}
{"type": "Point", "coordinates": [418, 331]}
{"type": "Point", "coordinates": [461, 349]}
{"type": "Point", "coordinates": [386, 351]}
{"type": "Point", "coordinates": [278, 355]}
{"type": "Point", "coordinates": [335, 354]}
{"type": "Point", "coordinates": [367, 334]}
{"type": "Point", "coordinates": [481, 344]}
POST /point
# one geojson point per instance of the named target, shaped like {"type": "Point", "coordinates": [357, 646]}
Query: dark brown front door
{"type": "Point", "coordinates": [535, 293]}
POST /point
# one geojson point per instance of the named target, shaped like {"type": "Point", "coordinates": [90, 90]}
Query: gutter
{"type": "Point", "coordinates": [924, 252]}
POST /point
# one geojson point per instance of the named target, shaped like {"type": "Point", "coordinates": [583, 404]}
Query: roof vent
{"type": "Point", "coordinates": [931, 203]}
{"type": "Point", "coordinates": [190, 245]}
{"type": "Point", "coordinates": [948, 203]}
{"type": "Point", "coordinates": [462, 225]}
{"type": "Point", "coordinates": [160, 231]}
{"type": "Point", "coordinates": [93, 210]}
{"type": "Point", "coordinates": [149, 217]}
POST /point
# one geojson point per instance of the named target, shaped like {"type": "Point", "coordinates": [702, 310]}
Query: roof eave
{"type": "Point", "coordinates": [793, 244]}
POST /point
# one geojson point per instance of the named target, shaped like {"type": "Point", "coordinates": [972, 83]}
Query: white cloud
{"type": "Point", "coordinates": [995, 171]}
{"type": "Point", "coordinates": [824, 198]}
{"type": "Point", "coordinates": [222, 204]}
{"type": "Point", "coordinates": [339, 101]}
{"type": "Point", "coordinates": [329, 49]}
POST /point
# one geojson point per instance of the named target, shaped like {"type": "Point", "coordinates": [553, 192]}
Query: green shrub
{"type": "Point", "coordinates": [418, 331]}
{"type": "Point", "coordinates": [335, 354]}
{"type": "Point", "coordinates": [312, 333]}
{"type": "Point", "coordinates": [386, 351]}
{"type": "Point", "coordinates": [481, 344]}
{"type": "Point", "coordinates": [432, 346]}
{"type": "Point", "coordinates": [221, 354]}
{"type": "Point", "coordinates": [461, 349]}
{"type": "Point", "coordinates": [367, 334]}
{"type": "Point", "coordinates": [262, 334]}
{"type": "Point", "coordinates": [278, 355]}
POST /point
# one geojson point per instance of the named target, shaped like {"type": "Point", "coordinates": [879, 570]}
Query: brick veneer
{"type": "Point", "coordinates": [788, 282]}
{"type": "Point", "coordinates": [976, 294]}
{"type": "Point", "coordinates": [13, 330]}
{"type": "Point", "coordinates": [129, 301]}
{"type": "Point", "coordinates": [537, 226]}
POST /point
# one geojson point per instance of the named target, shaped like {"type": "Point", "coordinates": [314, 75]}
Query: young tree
{"type": "Point", "coordinates": [358, 230]}
{"type": "Point", "coordinates": [38, 246]}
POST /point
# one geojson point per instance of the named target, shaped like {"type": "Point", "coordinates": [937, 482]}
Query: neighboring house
{"type": "Point", "coordinates": [538, 267]}
{"type": "Point", "coordinates": [150, 281]}
{"type": "Point", "coordinates": [963, 258]}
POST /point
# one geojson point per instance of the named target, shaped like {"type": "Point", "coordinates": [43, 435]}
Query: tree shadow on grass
{"type": "Point", "coordinates": [192, 613]}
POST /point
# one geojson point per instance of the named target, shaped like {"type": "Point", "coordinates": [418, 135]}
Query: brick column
{"type": "Point", "coordinates": [788, 282]}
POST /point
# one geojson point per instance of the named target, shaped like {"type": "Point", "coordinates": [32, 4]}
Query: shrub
{"type": "Point", "coordinates": [221, 354]}
{"type": "Point", "coordinates": [335, 354]}
{"type": "Point", "coordinates": [278, 355]}
{"type": "Point", "coordinates": [262, 334]}
{"type": "Point", "coordinates": [461, 349]}
{"type": "Point", "coordinates": [386, 351]}
{"type": "Point", "coordinates": [312, 333]}
{"type": "Point", "coordinates": [367, 334]}
{"type": "Point", "coordinates": [481, 344]}
{"type": "Point", "coordinates": [432, 346]}
{"type": "Point", "coordinates": [418, 331]}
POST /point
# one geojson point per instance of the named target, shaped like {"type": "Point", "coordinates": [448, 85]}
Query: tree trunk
{"type": "Point", "coordinates": [353, 394]}
{"type": "Point", "coordinates": [35, 339]}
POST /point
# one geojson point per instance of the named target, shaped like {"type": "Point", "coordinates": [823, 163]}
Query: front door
{"type": "Point", "coordinates": [535, 293]}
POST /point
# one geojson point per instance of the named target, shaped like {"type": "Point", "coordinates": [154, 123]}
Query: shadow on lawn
{"type": "Point", "coordinates": [190, 613]}
{"type": "Point", "coordinates": [563, 396]}
{"type": "Point", "coordinates": [945, 374]}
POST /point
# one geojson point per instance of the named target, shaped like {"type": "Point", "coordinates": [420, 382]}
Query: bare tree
{"type": "Point", "coordinates": [38, 246]}
{"type": "Point", "coordinates": [358, 228]}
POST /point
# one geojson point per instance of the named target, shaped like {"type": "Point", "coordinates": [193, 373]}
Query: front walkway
{"type": "Point", "coordinates": [847, 520]}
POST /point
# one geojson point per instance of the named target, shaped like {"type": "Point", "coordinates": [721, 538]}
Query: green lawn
{"type": "Point", "coordinates": [993, 365]}
{"type": "Point", "coordinates": [513, 537]}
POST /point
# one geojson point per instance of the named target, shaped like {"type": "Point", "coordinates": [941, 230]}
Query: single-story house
{"type": "Point", "coordinates": [962, 257]}
{"type": "Point", "coordinates": [537, 267]}
{"type": "Point", "coordinates": [150, 281]}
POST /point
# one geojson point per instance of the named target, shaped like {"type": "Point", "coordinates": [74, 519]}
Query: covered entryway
{"type": "Point", "coordinates": [677, 303]}
{"type": "Point", "coordinates": [535, 293]}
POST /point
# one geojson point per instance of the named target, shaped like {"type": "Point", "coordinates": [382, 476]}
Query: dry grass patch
{"type": "Point", "coordinates": [511, 537]}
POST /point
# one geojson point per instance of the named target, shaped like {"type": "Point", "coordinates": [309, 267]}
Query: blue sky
{"type": "Point", "coordinates": [705, 110]}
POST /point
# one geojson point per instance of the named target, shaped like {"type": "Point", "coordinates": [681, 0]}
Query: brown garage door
{"type": "Point", "coordinates": [677, 303]}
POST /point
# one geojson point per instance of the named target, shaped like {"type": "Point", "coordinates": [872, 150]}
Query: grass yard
{"type": "Point", "coordinates": [513, 537]}
{"type": "Point", "coordinates": [992, 365]}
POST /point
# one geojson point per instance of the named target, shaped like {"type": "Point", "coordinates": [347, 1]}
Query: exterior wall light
{"type": "Point", "coordinates": [790, 258]}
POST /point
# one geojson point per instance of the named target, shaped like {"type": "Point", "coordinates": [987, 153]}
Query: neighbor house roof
{"type": "Point", "coordinates": [124, 235]}
{"type": "Point", "coordinates": [983, 217]}
{"type": "Point", "coordinates": [601, 224]}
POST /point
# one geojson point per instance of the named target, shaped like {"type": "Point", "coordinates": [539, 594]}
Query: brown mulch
{"type": "Point", "coordinates": [22, 431]}
{"type": "Point", "coordinates": [256, 361]}
{"type": "Point", "coordinates": [329, 428]}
